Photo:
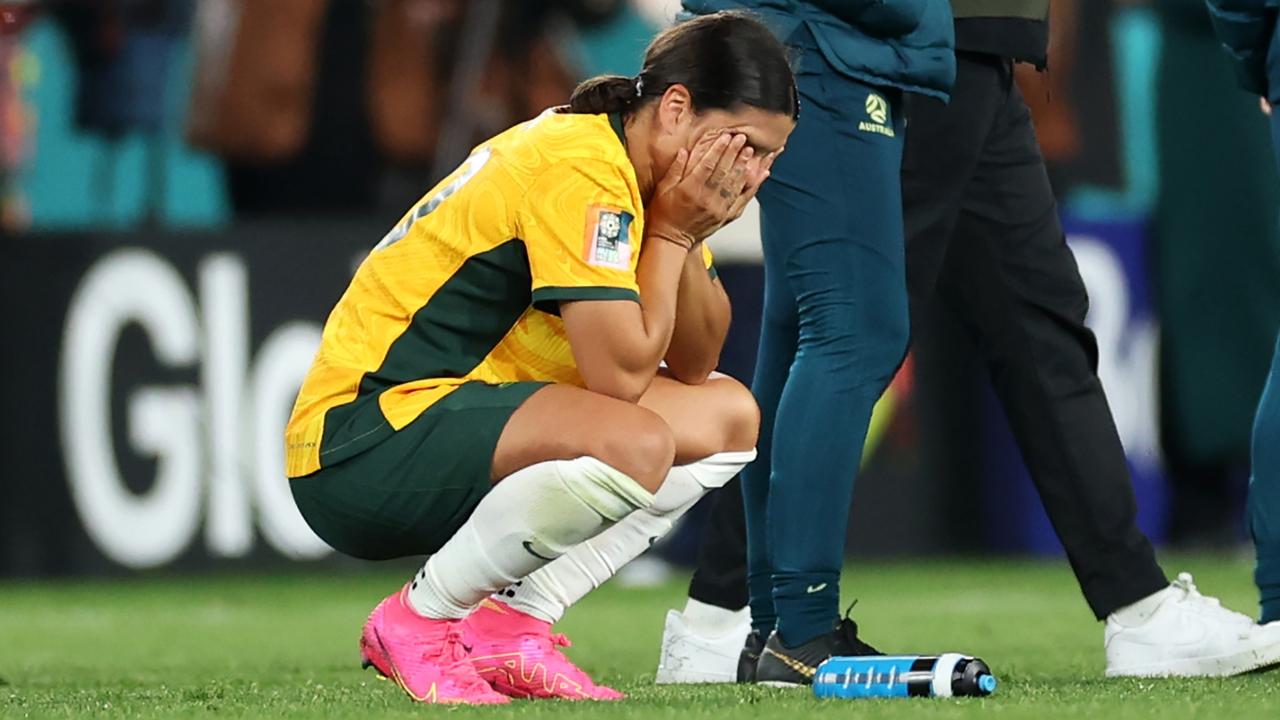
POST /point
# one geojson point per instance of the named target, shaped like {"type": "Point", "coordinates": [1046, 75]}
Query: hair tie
{"type": "Point", "coordinates": [639, 86]}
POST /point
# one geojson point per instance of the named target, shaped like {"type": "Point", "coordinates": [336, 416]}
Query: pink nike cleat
{"type": "Point", "coordinates": [425, 657]}
{"type": "Point", "coordinates": [517, 654]}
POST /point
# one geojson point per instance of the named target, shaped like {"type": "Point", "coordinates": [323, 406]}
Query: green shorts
{"type": "Point", "coordinates": [410, 493]}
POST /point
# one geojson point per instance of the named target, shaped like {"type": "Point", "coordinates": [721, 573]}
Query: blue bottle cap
{"type": "Point", "coordinates": [987, 684]}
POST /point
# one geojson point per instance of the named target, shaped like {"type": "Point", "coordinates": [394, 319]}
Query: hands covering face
{"type": "Point", "coordinates": [707, 187]}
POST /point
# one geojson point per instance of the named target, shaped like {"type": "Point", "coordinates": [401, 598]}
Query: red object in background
{"type": "Point", "coordinates": [904, 381]}
{"type": "Point", "coordinates": [15, 15]}
{"type": "Point", "coordinates": [15, 119]}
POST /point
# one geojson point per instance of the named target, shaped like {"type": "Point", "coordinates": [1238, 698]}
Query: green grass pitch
{"type": "Point", "coordinates": [285, 647]}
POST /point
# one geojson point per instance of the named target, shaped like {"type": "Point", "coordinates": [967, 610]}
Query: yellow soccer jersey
{"type": "Point", "coordinates": [466, 287]}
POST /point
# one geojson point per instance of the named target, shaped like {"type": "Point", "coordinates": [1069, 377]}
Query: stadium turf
{"type": "Point", "coordinates": [285, 647]}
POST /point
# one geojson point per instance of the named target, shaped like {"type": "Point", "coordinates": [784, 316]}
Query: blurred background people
{"type": "Point", "coordinates": [336, 106]}
{"type": "Point", "coordinates": [15, 114]}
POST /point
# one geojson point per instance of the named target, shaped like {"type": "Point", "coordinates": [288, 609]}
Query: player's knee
{"type": "Point", "coordinates": [741, 417]}
{"type": "Point", "coordinates": [654, 450]}
{"type": "Point", "coordinates": [643, 447]}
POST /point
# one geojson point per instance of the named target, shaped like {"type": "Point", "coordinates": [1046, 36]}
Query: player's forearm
{"type": "Point", "coordinates": [701, 324]}
{"type": "Point", "coordinates": [659, 275]}
{"type": "Point", "coordinates": [634, 356]}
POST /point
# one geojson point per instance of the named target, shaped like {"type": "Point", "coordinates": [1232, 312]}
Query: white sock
{"type": "Point", "coordinates": [1137, 613]}
{"type": "Point", "coordinates": [546, 593]}
{"type": "Point", "coordinates": [712, 620]}
{"type": "Point", "coordinates": [527, 520]}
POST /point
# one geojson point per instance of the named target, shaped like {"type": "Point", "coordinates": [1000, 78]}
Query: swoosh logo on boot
{"type": "Point", "coordinates": [792, 663]}
{"type": "Point", "coordinates": [528, 546]}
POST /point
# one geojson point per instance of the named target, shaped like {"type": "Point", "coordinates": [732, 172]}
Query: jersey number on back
{"type": "Point", "coordinates": [470, 169]}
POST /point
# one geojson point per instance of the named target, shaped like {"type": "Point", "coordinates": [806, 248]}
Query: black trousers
{"type": "Point", "coordinates": [984, 241]}
{"type": "Point", "coordinates": [720, 577]}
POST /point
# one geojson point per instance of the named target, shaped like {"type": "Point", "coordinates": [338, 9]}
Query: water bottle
{"type": "Point", "coordinates": [881, 676]}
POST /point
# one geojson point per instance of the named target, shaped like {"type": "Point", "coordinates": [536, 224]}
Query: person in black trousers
{"type": "Point", "coordinates": [984, 241]}
{"type": "Point", "coordinates": [720, 577]}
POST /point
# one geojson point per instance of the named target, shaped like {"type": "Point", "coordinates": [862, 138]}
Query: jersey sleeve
{"type": "Point", "coordinates": [578, 223]}
{"type": "Point", "coordinates": [709, 261]}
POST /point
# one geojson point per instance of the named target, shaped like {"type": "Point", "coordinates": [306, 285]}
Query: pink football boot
{"type": "Point", "coordinates": [520, 657]}
{"type": "Point", "coordinates": [425, 657]}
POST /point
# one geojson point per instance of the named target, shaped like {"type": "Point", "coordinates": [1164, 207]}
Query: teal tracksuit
{"type": "Point", "coordinates": [835, 324]}
{"type": "Point", "coordinates": [1264, 491]}
{"type": "Point", "coordinates": [1250, 35]}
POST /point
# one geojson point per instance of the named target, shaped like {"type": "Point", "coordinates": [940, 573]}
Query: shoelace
{"type": "Point", "coordinates": [849, 634]}
{"type": "Point", "coordinates": [1191, 594]}
{"type": "Point", "coordinates": [848, 630]}
{"type": "Point", "coordinates": [1187, 585]}
{"type": "Point", "coordinates": [551, 644]}
{"type": "Point", "coordinates": [458, 654]}
{"type": "Point", "coordinates": [454, 647]}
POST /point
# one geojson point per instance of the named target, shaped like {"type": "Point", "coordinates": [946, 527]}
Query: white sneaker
{"type": "Point", "coordinates": [1178, 632]}
{"type": "Point", "coordinates": [688, 657]}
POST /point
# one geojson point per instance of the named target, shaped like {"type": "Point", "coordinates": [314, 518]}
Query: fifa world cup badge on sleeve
{"type": "Point", "coordinates": [608, 238]}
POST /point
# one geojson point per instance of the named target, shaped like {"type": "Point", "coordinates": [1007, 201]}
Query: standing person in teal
{"type": "Point", "coordinates": [1216, 190]}
{"type": "Point", "coordinates": [835, 319]}
{"type": "Point", "coordinates": [1264, 493]}
{"type": "Point", "coordinates": [1250, 33]}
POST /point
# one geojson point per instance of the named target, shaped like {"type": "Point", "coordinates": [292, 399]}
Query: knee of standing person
{"type": "Point", "coordinates": [896, 341]}
{"type": "Point", "coordinates": [860, 339]}
{"type": "Point", "coordinates": [641, 445]}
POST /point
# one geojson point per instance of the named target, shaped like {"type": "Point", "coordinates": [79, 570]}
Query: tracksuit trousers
{"type": "Point", "coordinates": [984, 240]}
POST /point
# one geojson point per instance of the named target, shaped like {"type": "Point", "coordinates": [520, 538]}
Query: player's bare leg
{"type": "Point", "coordinates": [714, 426]}
{"type": "Point", "coordinates": [571, 463]}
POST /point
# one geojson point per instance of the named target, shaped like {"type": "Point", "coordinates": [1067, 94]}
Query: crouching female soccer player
{"type": "Point", "coordinates": [488, 388]}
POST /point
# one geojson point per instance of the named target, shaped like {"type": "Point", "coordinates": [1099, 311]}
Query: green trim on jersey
{"type": "Point", "coordinates": [548, 299]}
{"type": "Point", "coordinates": [615, 122]}
{"type": "Point", "coordinates": [457, 328]}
